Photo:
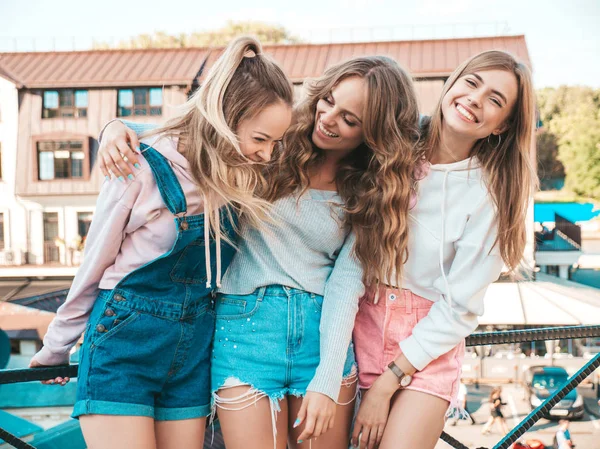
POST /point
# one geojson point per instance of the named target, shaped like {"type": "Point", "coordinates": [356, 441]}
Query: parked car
{"type": "Point", "coordinates": [529, 444]}
{"type": "Point", "coordinates": [590, 346]}
{"type": "Point", "coordinates": [542, 381]}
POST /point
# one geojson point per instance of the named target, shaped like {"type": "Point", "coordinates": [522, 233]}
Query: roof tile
{"type": "Point", "coordinates": [122, 68]}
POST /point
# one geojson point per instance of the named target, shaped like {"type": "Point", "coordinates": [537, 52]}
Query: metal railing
{"type": "Point", "coordinates": [568, 230]}
{"type": "Point", "coordinates": [479, 339]}
{"type": "Point", "coordinates": [51, 253]}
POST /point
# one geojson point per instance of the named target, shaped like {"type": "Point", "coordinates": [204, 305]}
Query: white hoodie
{"type": "Point", "coordinates": [451, 260]}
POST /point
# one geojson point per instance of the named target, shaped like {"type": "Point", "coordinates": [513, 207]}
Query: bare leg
{"type": "Point", "coordinates": [488, 425]}
{"type": "Point", "coordinates": [497, 421]}
{"type": "Point", "coordinates": [416, 420]}
{"type": "Point", "coordinates": [118, 432]}
{"type": "Point", "coordinates": [470, 417]}
{"type": "Point", "coordinates": [188, 433]}
{"type": "Point", "coordinates": [503, 426]}
{"type": "Point", "coordinates": [247, 419]}
{"type": "Point", "coordinates": [339, 436]}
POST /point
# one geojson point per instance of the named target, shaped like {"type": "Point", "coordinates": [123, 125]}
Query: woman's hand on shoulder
{"type": "Point", "coordinates": [56, 381]}
{"type": "Point", "coordinates": [118, 142]}
{"type": "Point", "coordinates": [317, 412]}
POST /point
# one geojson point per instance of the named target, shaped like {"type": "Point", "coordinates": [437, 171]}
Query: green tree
{"type": "Point", "coordinates": [550, 102]}
{"type": "Point", "coordinates": [571, 116]}
{"type": "Point", "coordinates": [579, 147]}
{"type": "Point", "coordinates": [549, 167]}
{"type": "Point", "coordinates": [266, 33]}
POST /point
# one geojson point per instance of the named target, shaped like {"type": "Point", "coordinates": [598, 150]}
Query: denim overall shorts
{"type": "Point", "coordinates": [147, 345]}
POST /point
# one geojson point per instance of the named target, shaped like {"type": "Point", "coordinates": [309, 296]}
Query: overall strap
{"type": "Point", "coordinates": [168, 184]}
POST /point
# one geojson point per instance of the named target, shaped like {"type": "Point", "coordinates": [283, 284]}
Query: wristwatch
{"type": "Point", "coordinates": [403, 378]}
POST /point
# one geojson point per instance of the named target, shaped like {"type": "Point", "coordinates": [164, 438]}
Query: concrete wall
{"type": "Point", "coordinates": [102, 107]}
{"type": "Point", "coordinates": [15, 235]}
{"type": "Point", "coordinates": [24, 198]}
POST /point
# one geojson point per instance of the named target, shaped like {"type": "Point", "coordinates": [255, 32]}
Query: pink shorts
{"type": "Point", "coordinates": [380, 327]}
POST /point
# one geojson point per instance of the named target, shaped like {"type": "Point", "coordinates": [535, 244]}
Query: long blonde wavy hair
{"type": "Point", "coordinates": [241, 83]}
{"type": "Point", "coordinates": [375, 179]}
{"type": "Point", "coordinates": [510, 175]}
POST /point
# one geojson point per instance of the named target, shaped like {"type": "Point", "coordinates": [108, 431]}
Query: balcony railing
{"type": "Point", "coordinates": [568, 230]}
{"type": "Point", "coordinates": [51, 253]}
{"type": "Point", "coordinates": [479, 339]}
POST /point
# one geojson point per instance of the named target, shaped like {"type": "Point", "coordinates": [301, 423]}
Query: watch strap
{"type": "Point", "coordinates": [396, 370]}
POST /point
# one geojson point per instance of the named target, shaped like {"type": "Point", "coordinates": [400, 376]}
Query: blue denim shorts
{"type": "Point", "coordinates": [270, 340]}
{"type": "Point", "coordinates": [143, 357]}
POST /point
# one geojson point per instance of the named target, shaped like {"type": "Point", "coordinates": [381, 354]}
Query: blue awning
{"type": "Point", "coordinates": [575, 212]}
{"type": "Point", "coordinates": [17, 426]}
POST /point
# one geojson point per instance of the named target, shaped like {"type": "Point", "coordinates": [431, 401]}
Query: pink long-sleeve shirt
{"type": "Point", "coordinates": [131, 227]}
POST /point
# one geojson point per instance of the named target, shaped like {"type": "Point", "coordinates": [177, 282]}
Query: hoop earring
{"type": "Point", "coordinates": [495, 147]}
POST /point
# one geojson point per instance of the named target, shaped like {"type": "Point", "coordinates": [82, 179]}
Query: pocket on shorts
{"type": "Point", "coordinates": [113, 320]}
{"type": "Point", "coordinates": [362, 300]}
{"type": "Point", "coordinates": [317, 301]}
{"type": "Point", "coordinates": [235, 307]}
{"type": "Point", "coordinates": [399, 327]}
{"type": "Point", "coordinates": [422, 313]}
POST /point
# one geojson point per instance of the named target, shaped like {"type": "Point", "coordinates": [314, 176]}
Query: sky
{"type": "Point", "coordinates": [563, 36]}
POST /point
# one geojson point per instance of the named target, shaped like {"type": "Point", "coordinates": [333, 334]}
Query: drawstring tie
{"type": "Point", "coordinates": [443, 238]}
{"type": "Point", "coordinates": [218, 231]}
{"type": "Point", "coordinates": [207, 226]}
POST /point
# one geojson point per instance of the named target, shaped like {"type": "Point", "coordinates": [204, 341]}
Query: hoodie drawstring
{"type": "Point", "coordinates": [218, 232]}
{"type": "Point", "coordinates": [207, 242]}
{"type": "Point", "coordinates": [443, 238]}
{"type": "Point", "coordinates": [207, 226]}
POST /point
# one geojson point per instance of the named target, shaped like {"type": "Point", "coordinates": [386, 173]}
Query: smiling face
{"type": "Point", "coordinates": [260, 134]}
{"type": "Point", "coordinates": [338, 116]}
{"type": "Point", "coordinates": [480, 103]}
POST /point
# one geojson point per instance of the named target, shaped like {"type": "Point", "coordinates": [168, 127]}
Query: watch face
{"type": "Point", "coordinates": [405, 381]}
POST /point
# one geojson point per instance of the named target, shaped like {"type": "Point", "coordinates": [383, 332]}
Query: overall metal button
{"type": "Point", "coordinates": [392, 297]}
{"type": "Point", "coordinates": [118, 297]}
{"type": "Point", "coordinates": [100, 328]}
{"type": "Point", "coordinates": [109, 312]}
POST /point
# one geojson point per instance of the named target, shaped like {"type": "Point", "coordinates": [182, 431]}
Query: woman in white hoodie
{"type": "Point", "coordinates": [469, 221]}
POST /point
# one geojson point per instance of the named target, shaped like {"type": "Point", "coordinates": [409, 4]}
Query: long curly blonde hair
{"type": "Point", "coordinates": [508, 166]}
{"type": "Point", "coordinates": [241, 83]}
{"type": "Point", "coordinates": [375, 179]}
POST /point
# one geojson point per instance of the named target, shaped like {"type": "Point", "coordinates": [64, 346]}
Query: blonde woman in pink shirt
{"type": "Point", "coordinates": [156, 250]}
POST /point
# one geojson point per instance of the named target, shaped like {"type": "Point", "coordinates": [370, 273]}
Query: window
{"type": "Point", "coordinates": [1, 231]}
{"type": "Point", "coordinates": [51, 251]}
{"type": "Point", "coordinates": [140, 101]}
{"type": "Point", "coordinates": [60, 159]}
{"type": "Point", "coordinates": [65, 103]}
{"type": "Point", "coordinates": [84, 220]}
